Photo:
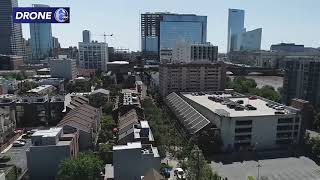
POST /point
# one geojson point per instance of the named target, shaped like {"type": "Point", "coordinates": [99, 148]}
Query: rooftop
{"type": "Point", "coordinates": [271, 169]}
{"type": "Point", "coordinates": [52, 132]}
{"type": "Point", "coordinates": [235, 105]}
{"type": "Point", "coordinates": [39, 88]}
{"type": "Point", "coordinates": [130, 145]}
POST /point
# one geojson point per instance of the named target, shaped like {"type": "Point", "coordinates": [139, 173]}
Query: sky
{"type": "Point", "coordinates": [291, 21]}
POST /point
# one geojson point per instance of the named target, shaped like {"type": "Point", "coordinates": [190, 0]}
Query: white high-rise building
{"type": "Point", "coordinates": [93, 55]}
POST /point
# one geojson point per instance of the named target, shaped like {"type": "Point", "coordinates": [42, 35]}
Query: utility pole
{"type": "Point", "coordinates": [105, 36]}
{"type": "Point", "coordinates": [259, 166]}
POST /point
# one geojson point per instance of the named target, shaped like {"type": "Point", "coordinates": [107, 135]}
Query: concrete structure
{"type": "Point", "coordinates": [10, 62]}
{"type": "Point", "coordinates": [287, 47]}
{"type": "Point", "coordinates": [11, 41]}
{"type": "Point", "coordinates": [164, 30]}
{"type": "Point", "coordinates": [241, 121]}
{"type": "Point", "coordinates": [86, 36]}
{"type": "Point", "coordinates": [134, 160]}
{"type": "Point", "coordinates": [302, 79]}
{"type": "Point", "coordinates": [58, 83]}
{"type": "Point", "coordinates": [101, 93]}
{"type": "Point", "coordinates": [49, 148]}
{"type": "Point", "coordinates": [186, 52]}
{"type": "Point", "coordinates": [63, 68]}
{"type": "Point", "coordinates": [41, 39]}
{"type": "Point", "coordinates": [239, 39]}
{"type": "Point", "coordinates": [291, 168]}
{"type": "Point", "coordinates": [93, 55]}
{"type": "Point", "coordinates": [200, 76]}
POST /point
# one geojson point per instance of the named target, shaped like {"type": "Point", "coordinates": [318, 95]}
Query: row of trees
{"type": "Point", "coordinates": [249, 86]}
{"type": "Point", "coordinates": [169, 140]}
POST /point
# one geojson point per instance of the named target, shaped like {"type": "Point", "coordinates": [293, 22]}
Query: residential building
{"type": "Point", "coordinates": [136, 132]}
{"type": "Point", "coordinates": [63, 68]}
{"type": "Point", "coordinates": [133, 160]}
{"type": "Point", "coordinates": [166, 55]}
{"type": "Point", "coordinates": [7, 123]}
{"type": "Point", "coordinates": [241, 121]}
{"type": "Point", "coordinates": [187, 52]}
{"type": "Point", "coordinates": [10, 62]}
{"type": "Point", "coordinates": [164, 30]}
{"type": "Point", "coordinates": [41, 39]}
{"type": "Point", "coordinates": [302, 79]}
{"type": "Point", "coordinates": [239, 39]}
{"type": "Point", "coordinates": [86, 36]}
{"type": "Point", "coordinates": [42, 90]}
{"type": "Point", "coordinates": [101, 93]}
{"type": "Point", "coordinates": [196, 76]}
{"type": "Point", "coordinates": [82, 118]}
{"type": "Point", "coordinates": [93, 55]}
{"type": "Point", "coordinates": [49, 148]}
{"type": "Point", "coordinates": [58, 83]}
{"type": "Point", "coordinates": [11, 41]}
{"type": "Point", "coordinates": [287, 47]}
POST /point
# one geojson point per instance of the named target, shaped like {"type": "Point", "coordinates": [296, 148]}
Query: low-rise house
{"type": "Point", "coordinates": [137, 132]}
{"type": "Point", "coordinates": [49, 148]}
{"type": "Point", "coordinates": [102, 93]}
{"type": "Point", "coordinates": [143, 157]}
{"type": "Point", "coordinates": [83, 118]}
{"type": "Point", "coordinates": [7, 124]}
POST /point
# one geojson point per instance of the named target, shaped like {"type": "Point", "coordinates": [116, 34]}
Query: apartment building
{"type": "Point", "coordinates": [93, 55]}
{"type": "Point", "coordinates": [49, 148]}
{"type": "Point", "coordinates": [189, 77]}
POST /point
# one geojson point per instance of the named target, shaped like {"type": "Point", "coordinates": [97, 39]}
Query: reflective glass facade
{"type": "Point", "coordinates": [41, 39]}
{"type": "Point", "coordinates": [164, 30]}
{"type": "Point", "coordinates": [235, 26]}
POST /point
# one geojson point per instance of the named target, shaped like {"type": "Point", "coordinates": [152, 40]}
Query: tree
{"type": "Point", "coordinates": [97, 101]}
{"type": "Point", "coordinates": [26, 86]}
{"type": "Point", "coordinates": [107, 108]}
{"type": "Point", "coordinates": [86, 166]}
{"type": "Point", "coordinates": [197, 167]}
{"type": "Point", "coordinates": [105, 152]}
{"type": "Point", "coordinates": [106, 133]}
{"type": "Point", "coordinates": [316, 121]}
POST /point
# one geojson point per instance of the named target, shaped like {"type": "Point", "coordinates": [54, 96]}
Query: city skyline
{"type": "Point", "coordinates": [278, 24]}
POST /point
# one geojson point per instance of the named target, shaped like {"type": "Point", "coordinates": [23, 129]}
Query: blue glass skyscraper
{"type": "Point", "coordinates": [41, 39]}
{"type": "Point", "coordinates": [235, 27]}
{"type": "Point", "coordinates": [164, 30]}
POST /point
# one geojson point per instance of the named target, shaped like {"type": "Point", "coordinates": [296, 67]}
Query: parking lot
{"type": "Point", "coordinates": [18, 155]}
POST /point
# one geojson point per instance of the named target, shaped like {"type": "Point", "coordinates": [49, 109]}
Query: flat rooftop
{"type": "Point", "coordinates": [271, 169]}
{"type": "Point", "coordinates": [39, 88]}
{"type": "Point", "coordinates": [221, 106]}
{"type": "Point", "coordinates": [130, 145]}
{"type": "Point", "coordinates": [52, 132]}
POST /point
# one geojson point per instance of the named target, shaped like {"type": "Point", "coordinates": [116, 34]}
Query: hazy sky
{"type": "Point", "coordinates": [295, 21]}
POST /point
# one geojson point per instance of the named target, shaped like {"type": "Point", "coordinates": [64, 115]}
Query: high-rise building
{"type": "Point", "coordinates": [164, 30]}
{"type": "Point", "coordinates": [41, 39]}
{"type": "Point", "coordinates": [86, 36]}
{"type": "Point", "coordinates": [187, 52]}
{"type": "Point", "coordinates": [302, 79]}
{"type": "Point", "coordinates": [239, 39]}
{"type": "Point", "coordinates": [56, 43]}
{"type": "Point", "coordinates": [191, 77]}
{"type": "Point", "coordinates": [235, 26]}
{"type": "Point", "coordinates": [93, 55]}
{"type": "Point", "coordinates": [251, 40]}
{"type": "Point", "coordinates": [11, 42]}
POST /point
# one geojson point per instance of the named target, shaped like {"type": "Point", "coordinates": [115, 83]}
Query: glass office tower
{"type": "Point", "coordinates": [41, 39]}
{"type": "Point", "coordinates": [11, 41]}
{"type": "Point", "coordinates": [164, 30]}
{"type": "Point", "coordinates": [235, 27]}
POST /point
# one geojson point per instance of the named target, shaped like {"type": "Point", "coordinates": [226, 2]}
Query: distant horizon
{"type": "Point", "coordinates": [288, 21]}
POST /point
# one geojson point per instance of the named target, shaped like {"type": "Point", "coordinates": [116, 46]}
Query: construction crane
{"type": "Point", "coordinates": [104, 36]}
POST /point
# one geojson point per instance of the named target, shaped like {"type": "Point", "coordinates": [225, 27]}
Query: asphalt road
{"type": "Point", "coordinates": [18, 155]}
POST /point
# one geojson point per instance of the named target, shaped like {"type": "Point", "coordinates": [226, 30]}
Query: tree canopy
{"type": "Point", "coordinates": [86, 166]}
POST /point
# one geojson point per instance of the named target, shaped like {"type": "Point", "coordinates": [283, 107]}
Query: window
{"type": "Point", "coordinates": [243, 123]}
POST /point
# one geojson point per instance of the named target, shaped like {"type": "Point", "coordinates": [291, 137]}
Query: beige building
{"type": "Point", "coordinates": [191, 77]}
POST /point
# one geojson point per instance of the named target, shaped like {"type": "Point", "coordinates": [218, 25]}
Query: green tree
{"type": "Point", "coordinates": [86, 166]}
{"type": "Point", "coordinates": [316, 121]}
{"type": "Point", "coordinates": [97, 101]}
{"type": "Point", "coordinates": [105, 152]}
{"type": "Point", "coordinates": [107, 108]}
{"type": "Point", "coordinates": [106, 133]}
{"type": "Point", "coordinates": [197, 167]}
{"type": "Point", "coordinates": [26, 86]}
